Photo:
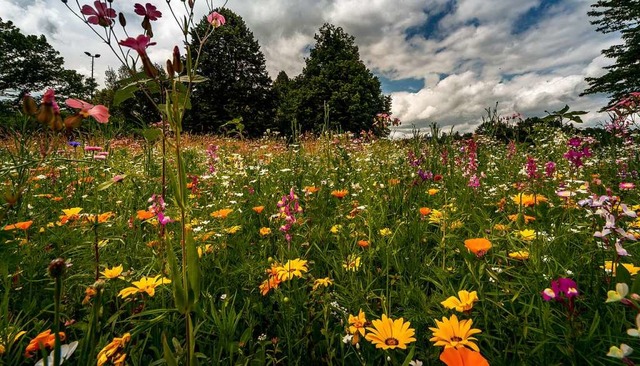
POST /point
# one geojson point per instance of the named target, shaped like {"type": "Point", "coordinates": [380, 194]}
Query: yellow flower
{"type": "Point", "coordinates": [387, 333]}
{"type": "Point", "coordinates": [72, 211]}
{"type": "Point", "coordinates": [628, 266]}
{"type": "Point", "coordinates": [621, 352]}
{"type": "Point", "coordinates": [335, 229]}
{"type": "Point", "coordinates": [520, 254]}
{"type": "Point", "coordinates": [341, 193]}
{"type": "Point", "coordinates": [221, 214]}
{"type": "Point", "coordinates": [527, 234]}
{"type": "Point", "coordinates": [352, 263]}
{"type": "Point", "coordinates": [114, 272]}
{"type": "Point", "coordinates": [145, 284]}
{"type": "Point", "coordinates": [436, 216]}
{"type": "Point", "coordinates": [500, 227]}
{"type": "Point", "coordinates": [291, 269]}
{"type": "Point", "coordinates": [386, 231]}
{"type": "Point", "coordinates": [233, 229]}
{"type": "Point", "coordinates": [204, 249]}
{"type": "Point", "coordinates": [264, 231]}
{"type": "Point", "coordinates": [621, 291]}
{"type": "Point", "coordinates": [356, 325]}
{"type": "Point", "coordinates": [322, 282]}
{"type": "Point", "coordinates": [432, 191]}
{"type": "Point", "coordinates": [452, 333]}
{"type": "Point", "coordinates": [113, 351]}
{"type": "Point", "coordinates": [464, 301]}
{"type": "Point", "coordinates": [528, 200]}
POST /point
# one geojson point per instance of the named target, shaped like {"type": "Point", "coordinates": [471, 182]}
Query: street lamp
{"type": "Point", "coordinates": [93, 57]}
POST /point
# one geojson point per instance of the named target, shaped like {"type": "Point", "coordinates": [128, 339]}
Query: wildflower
{"type": "Point", "coordinates": [322, 282]}
{"type": "Point", "coordinates": [339, 193]}
{"type": "Point", "coordinates": [291, 269]}
{"type": "Point", "coordinates": [164, 220]}
{"type": "Point", "coordinates": [608, 266]}
{"type": "Point", "coordinates": [528, 200]}
{"type": "Point", "coordinates": [452, 333]}
{"type": "Point", "coordinates": [363, 243]}
{"type": "Point", "coordinates": [233, 229]}
{"type": "Point", "coordinates": [258, 209]}
{"type": "Point", "coordinates": [352, 263]}
{"type": "Point", "coordinates": [221, 214]}
{"type": "Point", "coordinates": [335, 229]}
{"type": "Point", "coordinates": [527, 234]}
{"type": "Point", "coordinates": [113, 272]}
{"type": "Point", "coordinates": [268, 284]}
{"type": "Point", "coordinates": [145, 284]}
{"type": "Point", "coordinates": [140, 44]}
{"type": "Point", "coordinates": [357, 326]}
{"type": "Point", "coordinates": [113, 351]}
{"type": "Point", "coordinates": [216, 19]}
{"type": "Point", "coordinates": [264, 231]}
{"type": "Point", "coordinates": [464, 301]}
{"type": "Point", "coordinates": [148, 11]}
{"type": "Point", "coordinates": [500, 227]}
{"type": "Point", "coordinates": [527, 219]}
{"type": "Point", "coordinates": [89, 293]}
{"type": "Point", "coordinates": [462, 357]}
{"type": "Point", "coordinates": [205, 249]}
{"type": "Point", "coordinates": [635, 332]}
{"type": "Point", "coordinates": [415, 363]}
{"type": "Point", "coordinates": [432, 191]}
{"type": "Point", "coordinates": [44, 340]}
{"type": "Point", "coordinates": [386, 231]}
{"type": "Point", "coordinates": [101, 15]}
{"type": "Point", "coordinates": [621, 352]}
{"type": "Point", "coordinates": [23, 225]}
{"type": "Point", "coordinates": [310, 189]}
{"type": "Point", "coordinates": [561, 286]}
{"type": "Point", "coordinates": [436, 216]}
{"type": "Point", "coordinates": [387, 333]}
{"type": "Point", "coordinates": [520, 254]}
{"type": "Point", "coordinates": [394, 182]}
{"type": "Point", "coordinates": [99, 112]}
{"type": "Point", "coordinates": [478, 246]}
{"type": "Point", "coordinates": [424, 211]}
{"type": "Point", "coordinates": [625, 186]}
{"type": "Point", "coordinates": [70, 214]}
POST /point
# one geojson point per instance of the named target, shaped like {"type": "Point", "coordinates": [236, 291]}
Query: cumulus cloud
{"type": "Point", "coordinates": [531, 56]}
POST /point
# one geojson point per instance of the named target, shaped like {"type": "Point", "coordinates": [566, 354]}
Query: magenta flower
{"type": "Point", "coordinates": [625, 186]}
{"type": "Point", "coordinates": [148, 11]}
{"type": "Point", "coordinates": [163, 220]}
{"type": "Point", "coordinates": [99, 112]}
{"type": "Point", "coordinates": [216, 19]}
{"type": "Point", "coordinates": [101, 15]}
{"type": "Point", "coordinates": [561, 286]}
{"type": "Point", "coordinates": [139, 44]}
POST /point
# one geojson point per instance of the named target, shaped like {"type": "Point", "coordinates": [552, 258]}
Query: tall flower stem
{"type": "Point", "coordinates": [56, 321]}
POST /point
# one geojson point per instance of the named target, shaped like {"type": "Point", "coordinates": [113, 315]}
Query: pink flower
{"type": "Point", "coordinates": [627, 186]}
{"type": "Point", "coordinates": [163, 220]}
{"type": "Point", "coordinates": [216, 19]}
{"type": "Point", "coordinates": [99, 112]}
{"type": "Point", "coordinates": [139, 44]}
{"type": "Point", "coordinates": [92, 148]}
{"type": "Point", "coordinates": [148, 11]}
{"type": "Point", "coordinates": [100, 15]}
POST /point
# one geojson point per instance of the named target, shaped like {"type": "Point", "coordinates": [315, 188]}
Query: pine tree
{"type": "Point", "coordinates": [335, 86]}
{"type": "Point", "coordinates": [238, 84]}
{"type": "Point", "coordinates": [623, 76]}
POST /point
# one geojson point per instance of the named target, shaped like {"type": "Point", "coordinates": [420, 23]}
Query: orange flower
{"type": "Point", "coordinates": [221, 214]}
{"type": "Point", "coordinates": [425, 211]}
{"type": "Point", "coordinates": [363, 243]}
{"type": "Point", "coordinates": [394, 182]}
{"type": "Point", "coordinates": [311, 189]}
{"type": "Point", "coordinates": [258, 209]}
{"type": "Point", "coordinates": [43, 340]}
{"type": "Point", "coordinates": [268, 284]}
{"type": "Point", "coordinates": [144, 215]}
{"type": "Point", "coordinates": [478, 246]}
{"type": "Point", "coordinates": [462, 357]}
{"type": "Point", "coordinates": [23, 225]}
{"type": "Point", "coordinates": [339, 193]}
{"type": "Point", "coordinates": [526, 218]}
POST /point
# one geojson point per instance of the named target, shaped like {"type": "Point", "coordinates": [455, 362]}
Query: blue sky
{"type": "Point", "coordinates": [442, 61]}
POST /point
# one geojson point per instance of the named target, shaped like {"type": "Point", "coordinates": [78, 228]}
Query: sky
{"type": "Point", "coordinates": [443, 61]}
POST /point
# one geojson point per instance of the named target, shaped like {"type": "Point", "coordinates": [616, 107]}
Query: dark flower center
{"type": "Point", "coordinates": [391, 342]}
{"type": "Point", "coordinates": [456, 339]}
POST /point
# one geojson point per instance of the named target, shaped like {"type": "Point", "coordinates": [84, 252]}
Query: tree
{"type": "Point", "coordinates": [623, 76]}
{"type": "Point", "coordinates": [336, 87]}
{"type": "Point", "coordinates": [238, 85]}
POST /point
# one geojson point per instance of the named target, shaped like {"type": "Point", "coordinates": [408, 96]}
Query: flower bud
{"type": "Point", "coordinates": [57, 268]}
{"type": "Point", "coordinates": [122, 20]}
{"type": "Point", "coordinates": [170, 71]}
{"type": "Point", "coordinates": [29, 106]}
{"type": "Point", "coordinates": [177, 60]}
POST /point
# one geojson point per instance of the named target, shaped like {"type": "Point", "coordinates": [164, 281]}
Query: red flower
{"type": "Point", "coordinates": [139, 44]}
{"type": "Point", "coordinates": [148, 11]}
{"type": "Point", "coordinates": [100, 15]}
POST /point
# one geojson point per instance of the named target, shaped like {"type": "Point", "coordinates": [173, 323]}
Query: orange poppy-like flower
{"type": "Point", "coordinates": [363, 243]}
{"type": "Point", "coordinates": [357, 326]}
{"type": "Point", "coordinates": [258, 209]}
{"type": "Point", "coordinates": [23, 225]}
{"type": "Point", "coordinates": [222, 213]}
{"type": "Point", "coordinates": [112, 352]}
{"type": "Point", "coordinates": [341, 193]}
{"type": "Point", "coordinates": [425, 211]}
{"type": "Point", "coordinates": [44, 340]}
{"type": "Point", "coordinates": [478, 246]}
{"type": "Point", "coordinates": [144, 215]}
{"type": "Point", "coordinates": [310, 189]}
{"type": "Point", "coordinates": [462, 356]}
{"type": "Point", "coordinates": [268, 284]}
{"type": "Point", "coordinates": [264, 231]}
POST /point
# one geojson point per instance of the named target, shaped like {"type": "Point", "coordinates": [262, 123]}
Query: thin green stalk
{"type": "Point", "coordinates": [56, 322]}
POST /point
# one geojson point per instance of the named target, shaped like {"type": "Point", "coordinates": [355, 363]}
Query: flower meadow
{"type": "Point", "coordinates": [333, 250]}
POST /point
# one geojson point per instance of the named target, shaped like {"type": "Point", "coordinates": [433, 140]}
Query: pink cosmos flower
{"type": "Point", "coordinates": [148, 11]}
{"type": "Point", "coordinates": [216, 19]}
{"type": "Point", "coordinates": [139, 44]}
{"type": "Point", "coordinates": [99, 112]}
{"type": "Point", "coordinates": [101, 15]}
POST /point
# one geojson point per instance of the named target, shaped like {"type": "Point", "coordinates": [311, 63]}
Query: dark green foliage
{"type": "Point", "coordinates": [335, 87]}
{"type": "Point", "coordinates": [623, 76]}
{"type": "Point", "coordinates": [238, 85]}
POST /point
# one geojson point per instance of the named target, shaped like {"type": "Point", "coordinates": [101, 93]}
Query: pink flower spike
{"type": "Point", "coordinates": [139, 44]}
{"type": "Point", "coordinates": [216, 19]}
{"type": "Point", "coordinates": [149, 11]}
{"type": "Point", "coordinates": [100, 15]}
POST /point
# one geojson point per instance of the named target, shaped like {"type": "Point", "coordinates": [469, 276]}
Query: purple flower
{"type": "Point", "coordinates": [73, 143]}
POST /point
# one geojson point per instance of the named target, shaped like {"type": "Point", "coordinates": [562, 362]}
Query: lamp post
{"type": "Point", "coordinates": [93, 57]}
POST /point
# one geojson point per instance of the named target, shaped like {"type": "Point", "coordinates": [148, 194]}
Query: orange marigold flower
{"type": "Point", "coordinates": [462, 356]}
{"type": "Point", "coordinates": [144, 215]}
{"type": "Point", "coordinates": [478, 246]}
{"type": "Point", "coordinates": [425, 211]}
{"type": "Point", "coordinates": [311, 189]}
{"type": "Point", "coordinates": [527, 219]}
{"type": "Point", "coordinates": [222, 213]}
{"type": "Point", "coordinates": [258, 209]}
{"type": "Point", "coordinates": [341, 193]}
{"type": "Point", "coordinates": [23, 225]}
{"type": "Point", "coordinates": [44, 340]}
{"type": "Point", "coordinates": [363, 243]}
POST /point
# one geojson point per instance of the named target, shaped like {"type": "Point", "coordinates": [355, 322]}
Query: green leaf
{"type": "Point", "coordinates": [176, 282]}
{"type": "Point", "coordinates": [409, 356]}
{"type": "Point", "coordinates": [635, 287]}
{"type": "Point", "coordinates": [194, 79]}
{"type": "Point", "coordinates": [193, 267]}
{"type": "Point", "coordinates": [622, 274]}
{"type": "Point", "coordinates": [168, 356]}
{"type": "Point", "coordinates": [124, 93]}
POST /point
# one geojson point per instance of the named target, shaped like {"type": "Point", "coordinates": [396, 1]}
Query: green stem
{"type": "Point", "coordinates": [56, 321]}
